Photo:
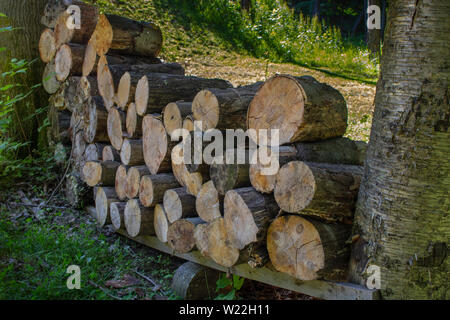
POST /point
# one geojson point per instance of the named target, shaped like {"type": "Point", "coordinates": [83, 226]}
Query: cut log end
{"type": "Point", "coordinates": [47, 46]}
{"type": "Point", "coordinates": [205, 108]}
{"type": "Point", "coordinates": [92, 173]}
{"type": "Point", "coordinates": [142, 96]}
{"type": "Point", "coordinates": [115, 126]}
{"type": "Point", "coordinates": [117, 212]}
{"type": "Point", "coordinates": [155, 143]}
{"type": "Point", "coordinates": [123, 91]}
{"type": "Point", "coordinates": [201, 239]}
{"type": "Point", "coordinates": [121, 182]}
{"type": "Point", "coordinates": [219, 247]}
{"type": "Point", "coordinates": [161, 223]}
{"type": "Point", "coordinates": [90, 58]}
{"type": "Point", "coordinates": [208, 203]}
{"type": "Point", "coordinates": [103, 199]}
{"type": "Point", "coordinates": [180, 236]}
{"type": "Point", "coordinates": [138, 220]}
{"type": "Point", "coordinates": [63, 62]}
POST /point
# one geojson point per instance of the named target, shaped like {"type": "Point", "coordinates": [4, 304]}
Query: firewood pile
{"type": "Point", "coordinates": [117, 104]}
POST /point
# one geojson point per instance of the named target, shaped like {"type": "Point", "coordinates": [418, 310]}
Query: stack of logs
{"type": "Point", "coordinates": [119, 106]}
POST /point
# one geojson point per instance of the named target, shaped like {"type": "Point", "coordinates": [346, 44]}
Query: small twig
{"type": "Point", "coordinates": [156, 286]}
{"type": "Point", "coordinates": [92, 283]}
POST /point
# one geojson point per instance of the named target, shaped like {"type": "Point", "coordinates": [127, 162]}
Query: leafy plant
{"type": "Point", "coordinates": [231, 284]}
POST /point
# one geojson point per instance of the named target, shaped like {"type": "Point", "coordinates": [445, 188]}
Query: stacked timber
{"type": "Point", "coordinates": [136, 126]}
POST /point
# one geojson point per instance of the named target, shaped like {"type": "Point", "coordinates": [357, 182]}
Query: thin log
{"type": "Point", "coordinates": [104, 196]}
{"type": "Point", "coordinates": [179, 204]}
{"type": "Point", "coordinates": [133, 122]}
{"type": "Point", "coordinates": [121, 182]}
{"type": "Point", "coordinates": [116, 126]}
{"type": "Point", "coordinates": [94, 152]}
{"type": "Point", "coordinates": [174, 114]}
{"type": "Point", "coordinates": [110, 154]}
{"type": "Point", "coordinates": [208, 203]}
{"type": "Point", "coordinates": [117, 214]}
{"type": "Point", "coordinates": [153, 187]}
{"type": "Point", "coordinates": [134, 180]}
{"type": "Point", "coordinates": [132, 153]}
{"type": "Point", "coordinates": [160, 222]}
{"type": "Point", "coordinates": [201, 238]}
{"type": "Point", "coordinates": [100, 173]}
{"type": "Point", "coordinates": [138, 219]}
{"type": "Point", "coordinates": [308, 249]}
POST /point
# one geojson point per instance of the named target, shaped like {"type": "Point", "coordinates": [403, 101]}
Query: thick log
{"type": "Point", "coordinates": [100, 173]}
{"type": "Point", "coordinates": [157, 146]}
{"type": "Point", "coordinates": [201, 239]}
{"type": "Point", "coordinates": [229, 176]}
{"type": "Point", "coordinates": [94, 152]}
{"type": "Point", "coordinates": [133, 122]}
{"type": "Point", "coordinates": [153, 187]}
{"type": "Point", "coordinates": [110, 154]}
{"type": "Point", "coordinates": [174, 114]}
{"type": "Point", "coordinates": [104, 196]}
{"type": "Point", "coordinates": [247, 216]}
{"type": "Point", "coordinates": [219, 247]}
{"type": "Point", "coordinates": [179, 204]}
{"type": "Point", "coordinates": [132, 153]}
{"type": "Point", "coordinates": [223, 108]}
{"type": "Point", "coordinates": [153, 91]}
{"type": "Point", "coordinates": [49, 81]}
{"type": "Point", "coordinates": [180, 235]}
{"type": "Point", "coordinates": [192, 281]}
{"type": "Point", "coordinates": [134, 180]}
{"type": "Point", "coordinates": [121, 182]}
{"type": "Point", "coordinates": [302, 108]}
{"type": "Point", "coordinates": [95, 121]}
{"type": "Point", "coordinates": [208, 203]}
{"type": "Point", "coordinates": [308, 249]}
{"type": "Point", "coordinates": [116, 126]}
{"type": "Point", "coordinates": [47, 46]}
{"type": "Point", "coordinates": [160, 222]}
{"type": "Point", "coordinates": [328, 191]}
{"type": "Point", "coordinates": [138, 219]}
{"type": "Point", "coordinates": [117, 214]}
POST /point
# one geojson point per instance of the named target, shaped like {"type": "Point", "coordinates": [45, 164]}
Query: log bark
{"type": "Point", "coordinates": [117, 214]}
{"type": "Point", "coordinates": [302, 108]}
{"type": "Point", "coordinates": [76, 192]}
{"type": "Point", "coordinates": [174, 114]}
{"type": "Point", "coordinates": [160, 222]}
{"type": "Point", "coordinates": [104, 196]}
{"type": "Point", "coordinates": [100, 173]}
{"type": "Point", "coordinates": [59, 126]}
{"type": "Point", "coordinates": [134, 180]}
{"type": "Point", "coordinates": [192, 281]}
{"type": "Point", "coordinates": [133, 122]}
{"type": "Point", "coordinates": [156, 90]}
{"type": "Point", "coordinates": [180, 235]}
{"type": "Point", "coordinates": [324, 190]}
{"type": "Point", "coordinates": [179, 204]}
{"type": "Point", "coordinates": [157, 146]}
{"type": "Point", "coordinates": [116, 126]}
{"type": "Point", "coordinates": [94, 152]}
{"type": "Point", "coordinates": [308, 249]}
{"type": "Point", "coordinates": [121, 182]}
{"type": "Point", "coordinates": [110, 154]}
{"type": "Point", "coordinates": [208, 203]}
{"type": "Point", "coordinates": [95, 121]}
{"type": "Point", "coordinates": [247, 216]}
{"type": "Point", "coordinates": [138, 219]}
{"type": "Point", "coordinates": [153, 187]}
{"type": "Point", "coordinates": [223, 108]}
{"type": "Point", "coordinates": [132, 153]}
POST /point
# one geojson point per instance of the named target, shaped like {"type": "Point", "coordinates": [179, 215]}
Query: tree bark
{"type": "Point", "coordinates": [374, 35]}
{"type": "Point", "coordinates": [100, 173]}
{"type": "Point", "coordinates": [153, 187]}
{"type": "Point", "coordinates": [402, 218]}
{"type": "Point", "coordinates": [95, 121]}
{"type": "Point", "coordinates": [179, 204]}
{"type": "Point", "coordinates": [131, 153]}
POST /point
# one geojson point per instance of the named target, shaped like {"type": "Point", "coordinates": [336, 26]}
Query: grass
{"type": "Point", "coordinates": [270, 31]}
{"type": "Point", "coordinates": [35, 255]}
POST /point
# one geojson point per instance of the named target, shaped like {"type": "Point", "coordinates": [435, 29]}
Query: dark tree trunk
{"type": "Point", "coordinates": [22, 43]}
{"type": "Point", "coordinates": [246, 4]}
{"type": "Point", "coordinates": [374, 35]}
{"type": "Point", "coordinates": [402, 221]}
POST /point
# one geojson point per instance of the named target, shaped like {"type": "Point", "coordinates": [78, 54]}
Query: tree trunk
{"type": "Point", "coordinates": [153, 187]}
{"type": "Point", "coordinates": [138, 219]}
{"type": "Point", "coordinates": [22, 43]}
{"type": "Point", "coordinates": [402, 215]}
{"type": "Point", "coordinates": [179, 204]}
{"type": "Point", "coordinates": [131, 153]}
{"type": "Point", "coordinates": [374, 35]}
{"type": "Point", "coordinates": [100, 173]}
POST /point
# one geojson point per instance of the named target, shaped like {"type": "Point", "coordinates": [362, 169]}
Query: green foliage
{"type": "Point", "coordinates": [231, 285]}
{"type": "Point", "coordinates": [11, 167]}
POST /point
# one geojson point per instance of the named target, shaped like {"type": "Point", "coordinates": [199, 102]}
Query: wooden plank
{"type": "Point", "coordinates": [321, 289]}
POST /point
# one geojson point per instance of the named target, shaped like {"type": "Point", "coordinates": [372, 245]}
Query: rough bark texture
{"type": "Point", "coordinates": [302, 108]}
{"type": "Point", "coordinates": [247, 216]}
{"type": "Point", "coordinates": [192, 281]}
{"type": "Point", "coordinates": [308, 249]}
{"type": "Point", "coordinates": [327, 191]}
{"type": "Point", "coordinates": [402, 215]}
{"type": "Point", "coordinates": [153, 187]}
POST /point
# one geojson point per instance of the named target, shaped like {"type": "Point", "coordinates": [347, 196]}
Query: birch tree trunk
{"type": "Point", "coordinates": [402, 222]}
